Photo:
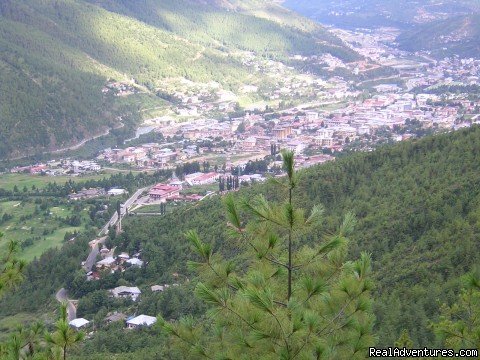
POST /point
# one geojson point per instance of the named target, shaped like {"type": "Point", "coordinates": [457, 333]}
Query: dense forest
{"type": "Point", "coordinates": [57, 55]}
{"type": "Point", "coordinates": [418, 210]}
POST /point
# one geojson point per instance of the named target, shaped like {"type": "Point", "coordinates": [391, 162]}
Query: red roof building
{"type": "Point", "coordinates": [162, 192]}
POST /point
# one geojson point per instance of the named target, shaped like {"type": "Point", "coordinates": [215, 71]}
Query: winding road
{"type": "Point", "coordinates": [62, 297]}
{"type": "Point", "coordinates": [61, 294]}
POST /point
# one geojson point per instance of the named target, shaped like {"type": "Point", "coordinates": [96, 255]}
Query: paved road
{"type": "Point", "coordinates": [63, 298]}
{"type": "Point", "coordinates": [127, 205]}
{"type": "Point", "coordinates": [92, 256]}
{"type": "Point", "coordinates": [76, 146]}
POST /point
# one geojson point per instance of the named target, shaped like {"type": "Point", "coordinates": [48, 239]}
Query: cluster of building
{"type": "Point", "coordinates": [95, 192]}
{"type": "Point", "coordinates": [59, 167]}
{"type": "Point", "coordinates": [119, 88]}
{"type": "Point", "coordinates": [113, 263]}
{"type": "Point", "coordinates": [313, 134]}
{"type": "Point", "coordinates": [132, 322]}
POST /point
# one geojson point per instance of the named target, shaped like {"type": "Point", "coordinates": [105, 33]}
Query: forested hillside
{"type": "Point", "coordinates": [57, 55]}
{"type": "Point", "coordinates": [455, 36]}
{"type": "Point", "coordinates": [418, 210]}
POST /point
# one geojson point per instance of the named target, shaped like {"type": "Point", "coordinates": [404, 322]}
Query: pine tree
{"type": "Point", "coordinates": [284, 299]}
{"type": "Point", "coordinates": [64, 337]}
{"type": "Point", "coordinates": [459, 324]}
{"type": "Point", "coordinates": [24, 343]}
{"type": "Point", "coordinates": [404, 341]}
{"type": "Point", "coordinates": [11, 267]}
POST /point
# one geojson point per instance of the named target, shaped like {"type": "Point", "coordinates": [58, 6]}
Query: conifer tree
{"type": "Point", "coordinates": [10, 267]}
{"type": "Point", "coordinates": [404, 341]}
{"type": "Point", "coordinates": [64, 337]}
{"type": "Point", "coordinates": [24, 343]}
{"type": "Point", "coordinates": [459, 324]}
{"type": "Point", "coordinates": [285, 299]}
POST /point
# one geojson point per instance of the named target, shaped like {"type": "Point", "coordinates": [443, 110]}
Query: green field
{"type": "Point", "coordinates": [8, 181]}
{"type": "Point", "coordinates": [42, 226]}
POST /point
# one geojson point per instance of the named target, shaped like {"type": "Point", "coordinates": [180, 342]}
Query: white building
{"type": "Point", "coordinates": [201, 178]}
{"type": "Point", "coordinates": [363, 130]}
{"type": "Point", "coordinates": [141, 320]}
{"type": "Point", "coordinates": [116, 192]}
{"type": "Point", "coordinates": [311, 116]}
{"type": "Point", "coordinates": [296, 146]}
{"type": "Point", "coordinates": [126, 292]}
{"type": "Point", "coordinates": [325, 137]}
{"type": "Point", "coordinates": [79, 323]}
{"type": "Point", "coordinates": [157, 288]}
{"type": "Point", "coordinates": [135, 262]}
{"type": "Point", "coordinates": [106, 263]}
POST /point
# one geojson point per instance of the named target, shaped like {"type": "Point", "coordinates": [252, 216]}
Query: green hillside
{"type": "Point", "coordinates": [418, 210]}
{"type": "Point", "coordinates": [455, 36]}
{"type": "Point", "coordinates": [57, 55]}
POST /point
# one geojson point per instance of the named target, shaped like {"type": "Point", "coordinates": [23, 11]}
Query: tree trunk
{"type": "Point", "coordinates": [289, 292]}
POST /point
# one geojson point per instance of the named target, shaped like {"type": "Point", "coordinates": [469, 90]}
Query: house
{"type": "Point", "coordinates": [93, 276]}
{"type": "Point", "coordinates": [116, 192]}
{"type": "Point", "coordinates": [249, 143]}
{"type": "Point", "coordinates": [140, 321]}
{"type": "Point", "coordinates": [296, 146]}
{"type": "Point", "coordinates": [325, 137]}
{"type": "Point", "coordinates": [104, 251]}
{"type": "Point", "coordinates": [193, 197]}
{"type": "Point", "coordinates": [135, 262]}
{"type": "Point", "coordinates": [311, 116]}
{"type": "Point", "coordinates": [363, 130]}
{"type": "Point", "coordinates": [157, 288]}
{"type": "Point", "coordinates": [126, 292]}
{"type": "Point", "coordinates": [201, 179]}
{"type": "Point", "coordinates": [116, 316]}
{"type": "Point", "coordinates": [123, 257]}
{"type": "Point", "coordinates": [38, 169]}
{"type": "Point", "coordinates": [387, 88]}
{"type": "Point", "coordinates": [108, 262]}
{"type": "Point", "coordinates": [178, 184]}
{"type": "Point", "coordinates": [282, 132]}
{"type": "Point", "coordinates": [162, 192]}
{"type": "Point", "coordinates": [79, 323]}
{"type": "Point", "coordinates": [87, 194]}
{"type": "Point", "coordinates": [263, 140]}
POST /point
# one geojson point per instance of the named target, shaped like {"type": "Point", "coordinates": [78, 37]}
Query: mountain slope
{"type": "Point", "coordinates": [455, 36]}
{"type": "Point", "coordinates": [418, 210]}
{"type": "Point", "coordinates": [56, 56]}
{"type": "Point", "coordinates": [378, 13]}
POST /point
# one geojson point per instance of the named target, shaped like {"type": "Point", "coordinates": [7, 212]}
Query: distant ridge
{"type": "Point", "coordinates": [454, 36]}
{"type": "Point", "coordinates": [56, 56]}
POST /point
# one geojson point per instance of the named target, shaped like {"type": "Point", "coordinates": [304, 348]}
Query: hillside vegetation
{"type": "Point", "coordinates": [455, 36]}
{"type": "Point", "coordinates": [57, 55]}
{"type": "Point", "coordinates": [418, 210]}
